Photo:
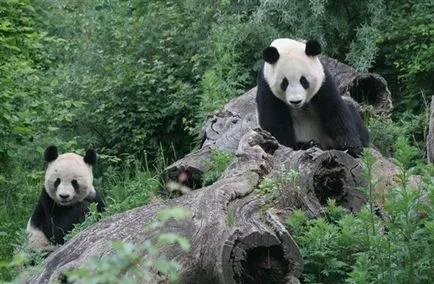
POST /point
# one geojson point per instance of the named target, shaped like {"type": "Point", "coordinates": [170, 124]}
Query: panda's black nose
{"type": "Point", "coordinates": [295, 102]}
{"type": "Point", "coordinates": [64, 196]}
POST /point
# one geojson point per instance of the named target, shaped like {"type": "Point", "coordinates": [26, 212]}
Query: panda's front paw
{"type": "Point", "coordinates": [352, 146]}
{"type": "Point", "coordinates": [307, 145]}
{"type": "Point", "coordinates": [355, 151]}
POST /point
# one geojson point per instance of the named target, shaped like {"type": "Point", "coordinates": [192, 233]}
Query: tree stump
{"type": "Point", "coordinates": [237, 235]}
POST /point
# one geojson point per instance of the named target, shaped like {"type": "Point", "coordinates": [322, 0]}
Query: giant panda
{"type": "Point", "coordinates": [299, 104]}
{"type": "Point", "coordinates": [65, 198]}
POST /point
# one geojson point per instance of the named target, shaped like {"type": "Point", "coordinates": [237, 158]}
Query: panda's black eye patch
{"type": "Point", "coordinates": [57, 182]}
{"type": "Point", "coordinates": [75, 184]}
{"type": "Point", "coordinates": [284, 84]}
{"type": "Point", "coordinates": [304, 82]}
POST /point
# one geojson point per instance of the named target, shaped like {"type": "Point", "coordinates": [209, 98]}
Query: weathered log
{"type": "Point", "coordinates": [364, 88]}
{"type": "Point", "coordinates": [254, 247]}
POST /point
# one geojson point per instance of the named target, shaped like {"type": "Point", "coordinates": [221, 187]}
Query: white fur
{"type": "Point", "coordinates": [307, 127]}
{"type": "Point", "coordinates": [292, 64]}
{"type": "Point", "coordinates": [67, 167]}
{"type": "Point", "coordinates": [37, 239]}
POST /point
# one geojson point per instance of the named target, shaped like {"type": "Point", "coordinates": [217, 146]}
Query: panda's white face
{"type": "Point", "coordinates": [295, 77]}
{"type": "Point", "coordinates": [69, 179]}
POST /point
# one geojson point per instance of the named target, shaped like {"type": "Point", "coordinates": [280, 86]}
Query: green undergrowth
{"type": "Point", "coordinates": [123, 188]}
{"type": "Point", "coordinates": [219, 162]}
{"type": "Point", "coordinates": [388, 242]}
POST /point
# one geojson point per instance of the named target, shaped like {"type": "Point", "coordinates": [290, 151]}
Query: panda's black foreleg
{"type": "Point", "coordinates": [361, 128]}
{"type": "Point", "coordinates": [273, 115]}
{"type": "Point", "coordinates": [339, 123]}
{"type": "Point", "coordinates": [342, 129]}
{"type": "Point", "coordinates": [100, 205]}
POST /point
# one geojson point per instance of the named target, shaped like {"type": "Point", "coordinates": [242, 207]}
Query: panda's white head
{"type": "Point", "coordinates": [69, 177]}
{"type": "Point", "coordinates": [293, 71]}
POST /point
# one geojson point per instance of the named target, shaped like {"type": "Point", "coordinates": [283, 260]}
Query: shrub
{"type": "Point", "coordinates": [393, 246]}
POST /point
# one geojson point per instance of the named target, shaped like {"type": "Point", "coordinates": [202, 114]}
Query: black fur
{"type": "Point", "coordinates": [56, 221]}
{"type": "Point", "coordinates": [51, 153]}
{"type": "Point", "coordinates": [342, 123]}
{"type": "Point", "coordinates": [313, 48]}
{"type": "Point", "coordinates": [270, 54]}
{"type": "Point", "coordinates": [274, 115]}
{"type": "Point", "coordinates": [100, 205]}
{"type": "Point", "coordinates": [361, 128]}
{"type": "Point", "coordinates": [90, 157]}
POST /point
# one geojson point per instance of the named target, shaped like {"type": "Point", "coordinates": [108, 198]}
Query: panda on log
{"type": "Point", "coordinates": [65, 198]}
{"type": "Point", "coordinates": [299, 104]}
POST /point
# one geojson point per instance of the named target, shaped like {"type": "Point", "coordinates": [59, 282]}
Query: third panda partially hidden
{"type": "Point", "coordinates": [299, 104]}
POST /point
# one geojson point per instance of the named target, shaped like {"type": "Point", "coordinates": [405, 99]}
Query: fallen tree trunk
{"type": "Point", "coordinates": [228, 253]}
{"type": "Point", "coordinates": [364, 88]}
{"type": "Point", "coordinates": [237, 236]}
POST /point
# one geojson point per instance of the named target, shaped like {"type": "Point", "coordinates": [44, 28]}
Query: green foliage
{"type": "Point", "coordinates": [365, 248]}
{"type": "Point", "coordinates": [384, 131]}
{"type": "Point", "coordinates": [332, 22]}
{"type": "Point", "coordinates": [219, 162]}
{"type": "Point", "coordinates": [131, 73]}
{"type": "Point", "coordinates": [135, 79]}
{"type": "Point", "coordinates": [17, 200]}
{"type": "Point", "coordinates": [92, 217]}
{"type": "Point", "coordinates": [22, 264]}
{"type": "Point", "coordinates": [137, 263]}
{"type": "Point", "coordinates": [124, 189]}
{"type": "Point", "coordinates": [231, 218]}
{"type": "Point", "coordinates": [276, 185]}
{"type": "Point", "coordinates": [20, 49]}
{"type": "Point", "coordinates": [129, 189]}
{"type": "Point", "coordinates": [408, 49]}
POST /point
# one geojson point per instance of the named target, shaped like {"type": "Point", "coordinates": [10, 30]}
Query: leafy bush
{"type": "Point", "coordinates": [277, 184]}
{"type": "Point", "coordinates": [133, 79]}
{"type": "Point", "coordinates": [393, 246]}
{"type": "Point", "coordinates": [136, 89]}
{"type": "Point", "coordinates": [407, 50]}
{"type": "Point", "coordinates": [348, 30]}
{"type": "Point", "coordinates": [384, 131]}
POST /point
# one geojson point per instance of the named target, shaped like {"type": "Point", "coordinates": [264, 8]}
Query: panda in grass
{"type": "Point", "coordinates": [299, 104]}
{"type": "Point", "coordinates": [65, 198]}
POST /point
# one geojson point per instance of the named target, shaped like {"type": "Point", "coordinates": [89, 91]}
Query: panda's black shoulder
{"type": "Point", "coordinates": [40, 215]}
{"type": "Point", "coordinates": [272, 112]}
{"type": "Point", "coordinates": [328, 88]}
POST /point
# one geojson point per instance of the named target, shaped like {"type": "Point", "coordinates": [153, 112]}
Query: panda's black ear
{"type": "Point", "coordinates": [50, 153]}
{"type": "Point", "coordinates": [313, 48]}
{"type": "Point", "coordinates": [270, 54]}
{"type": "Point", "coordinates": [90, 157]}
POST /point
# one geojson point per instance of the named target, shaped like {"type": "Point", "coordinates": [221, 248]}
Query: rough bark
{"type": "Point", "coordinates": [222, 252]}
{"type": "Point", "coordinates": [364, 88]}
{"type": "Point", "coordinates": [238, 236]}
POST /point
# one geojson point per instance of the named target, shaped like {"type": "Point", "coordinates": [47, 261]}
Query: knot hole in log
{"type": "Point", "coordinates": [329, 181]}
{"type": "Point", "coordinates": [264, 265]}
{"type": "Point", "coordinates": [365, 90]}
